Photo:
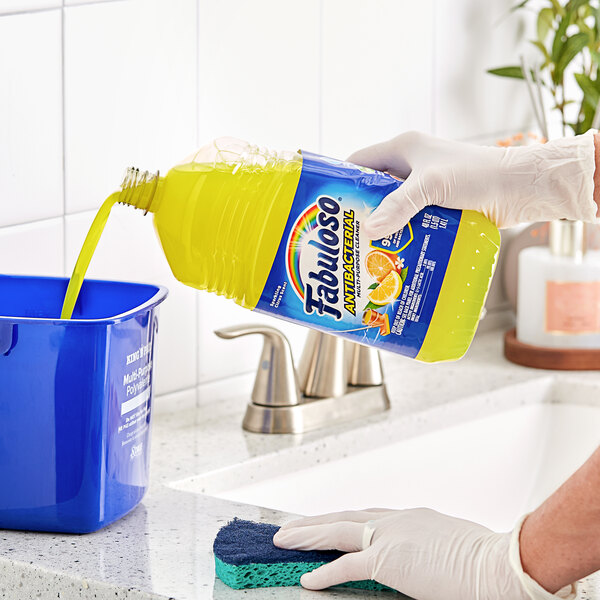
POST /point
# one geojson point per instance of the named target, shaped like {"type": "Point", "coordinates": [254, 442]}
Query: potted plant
{"type": "Point", "coordinates": [568, 43]}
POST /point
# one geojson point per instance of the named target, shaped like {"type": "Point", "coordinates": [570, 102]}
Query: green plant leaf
{"type": "Point", "coordinates": [595, 56]}
{"type": "Point", "coordinates": [403, 274]}
{"type": "Point", "coordinates": [544, 51]}
{"type": "Point", "coordinates": [559, 38]}
{"type": "Point", "coordinates": [544, 23]}
{"type": "Point", "coordinates": [573, 5]}
{"type": "Point", "coordinates": [558, 8]}
{"type": "Point", "coordinates": [518, 6]}
{"type": "Point", "coordinates": [373, 286]}
{"type": "Point", "coordinates": [585, 119]}
{"type": "Point", "coordinates": [571, 48]}
{"type": "Point", "coordinates": [563, 104]}
{"type": "Point", "coordinates": [515, 72]}
{"type": "Point", "coordinates": [371, 306]}
{"type": "Point", "coordinates": [591, 95]}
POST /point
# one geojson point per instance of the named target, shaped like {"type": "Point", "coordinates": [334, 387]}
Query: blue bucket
{"type": "Point", "coordinates": [75, 398]}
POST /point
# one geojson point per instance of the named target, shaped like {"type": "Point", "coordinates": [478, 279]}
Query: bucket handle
{"type": "Point", "coordinates": [8, 338]}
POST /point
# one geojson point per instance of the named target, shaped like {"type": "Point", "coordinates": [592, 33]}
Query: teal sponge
{"type": "Point", "coordinates": [245, 557]}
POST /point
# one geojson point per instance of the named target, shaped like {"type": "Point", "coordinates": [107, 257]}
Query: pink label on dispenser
{"type": "Point", "coordinates": [573, 307]}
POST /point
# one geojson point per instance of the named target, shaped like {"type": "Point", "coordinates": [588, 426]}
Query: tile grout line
{"type": "Point", "coordinates": [320, 79]}
{"type": "Point", "coordinates": [8, 226]}
{"type": "Point", "coordinates": [46, 219]}
{"type": "Point", "coordinates": [31, 11]}
{"type": "Point", "coordinates": [12, 13]}
{"type": "Point", "coordinates": [197, 302]}
{"type": "Point", "coordinates": [94, 2]}
{"type": "Point", "coordinates": [157, 396]}
{"type": "Point", "coordinates": [433, 69]}
{"type": "Point", "coordinates": [64, 140]}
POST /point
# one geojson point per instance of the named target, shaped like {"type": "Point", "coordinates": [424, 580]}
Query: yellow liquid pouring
{"type": "Point", "coordinates": [219, 225]}
{"type": "Point", "coordinates": [85, 256]}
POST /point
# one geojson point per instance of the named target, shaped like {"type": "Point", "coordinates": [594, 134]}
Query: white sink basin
{"type": "Point", "coordinates": [490, 470]}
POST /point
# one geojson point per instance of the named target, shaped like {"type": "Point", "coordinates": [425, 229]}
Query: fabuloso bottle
{"type": "Point", "coordinates": [281, 233]}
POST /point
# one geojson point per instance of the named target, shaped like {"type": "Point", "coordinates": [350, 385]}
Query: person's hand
{"type": "Point", "coordinates": [513, 185]}
{"type": "Point", "coordinates": [419, 552]}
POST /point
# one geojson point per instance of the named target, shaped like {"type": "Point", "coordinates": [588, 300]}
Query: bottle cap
{"type": "Point", "coordinates": [567, 238]}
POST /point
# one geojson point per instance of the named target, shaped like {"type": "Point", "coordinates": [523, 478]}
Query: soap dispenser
{"type": "Point", "coordinates": [558, 302]}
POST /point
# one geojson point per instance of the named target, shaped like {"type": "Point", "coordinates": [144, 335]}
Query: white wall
{"type": "Point", "coordinates": [89, 88]}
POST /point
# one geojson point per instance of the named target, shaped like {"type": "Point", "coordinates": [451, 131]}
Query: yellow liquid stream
{"type": "Point", "coordinates": [213, 239]}
{"type": "Point", "coordinates": [85, 256]}
{"type": "Point", "coordinates": [220, 226]}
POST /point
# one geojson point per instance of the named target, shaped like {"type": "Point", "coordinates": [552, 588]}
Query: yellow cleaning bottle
{"type": "Point", "coordinates": [280, 233]}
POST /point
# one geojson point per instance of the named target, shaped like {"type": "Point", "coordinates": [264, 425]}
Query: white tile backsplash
{"type": "Point", "coordinates": [30, 117]}
{"type": "Point", "coordinates": [144, 82]}
{"type": "Point", "coordinates": [77, 2]}
{"type": "Point", "coordinates": [377, 71]}
{"type": "Point", "coordinates": [129, 250]}
{"type": "Point", "coordinates": [130, 92]}
{"type": "Point", "coordinates": [471, 37]}
{"type": "Point", "coordinates": [259, 65]}
{"type": "Point", "coordinates": [259, 72]}
{"type": "Point", "coordinates": [35, 248]}
{"type": "Point", "coordinates": [19, 6]}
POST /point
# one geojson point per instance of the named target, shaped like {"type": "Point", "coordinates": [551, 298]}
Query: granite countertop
{"type": "Point", "coordinates": [162, 549]}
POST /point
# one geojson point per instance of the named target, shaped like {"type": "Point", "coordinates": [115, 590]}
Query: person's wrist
{"type": "Point", "coordinates": [544, 558]}
{"type": "Point", "coordinates": [531, 547]}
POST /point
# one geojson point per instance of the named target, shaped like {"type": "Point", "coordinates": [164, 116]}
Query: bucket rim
{"type": "Point", "coordinates": [160, 294]}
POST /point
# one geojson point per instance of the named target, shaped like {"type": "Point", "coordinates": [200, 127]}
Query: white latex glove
{"type": "Point", "coordinates": [419, 552]}
{"type": "Point", "coordinates": [512, 185]}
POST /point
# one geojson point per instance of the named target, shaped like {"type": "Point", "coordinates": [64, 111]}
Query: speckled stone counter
{"type": "Point", "coordinates": [162, 549]}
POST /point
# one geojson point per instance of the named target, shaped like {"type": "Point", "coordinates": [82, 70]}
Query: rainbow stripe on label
{"type": "Point", "coordinates": [304, 224]}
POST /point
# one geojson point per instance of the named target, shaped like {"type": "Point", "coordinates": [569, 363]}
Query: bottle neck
{"type": "Point", "coordinates": [141, 189]}
{"type": "Point", "coordinates": [567, 238]}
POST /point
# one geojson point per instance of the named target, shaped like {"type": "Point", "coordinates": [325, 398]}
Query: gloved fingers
{"type": "Point", "coordinates": [396, 210]}
{"type": "Point", "coordinates": [350, 567]}
{"type": "Point", "coordinates": [357, 516]}
{"type": "Point", "coordinates": [346, 536]}
{"type": "Point", "coordinates": [383, 157]}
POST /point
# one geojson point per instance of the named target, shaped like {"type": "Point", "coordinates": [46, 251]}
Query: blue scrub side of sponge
{"type": "Point", "coordinates": [245, 557]}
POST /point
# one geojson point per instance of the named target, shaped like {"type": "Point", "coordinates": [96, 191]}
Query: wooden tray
{"type": "Point", "coordinates": [565, 359]}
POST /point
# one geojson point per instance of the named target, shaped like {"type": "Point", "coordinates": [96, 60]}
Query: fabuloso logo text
{"type": "Point", "coordinates": [321, 258]}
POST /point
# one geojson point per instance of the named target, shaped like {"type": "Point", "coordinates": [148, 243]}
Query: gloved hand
{"type": "Point", "coordinates": [508, 185]}
{"type": "Point", "coordinates": [419, 552]}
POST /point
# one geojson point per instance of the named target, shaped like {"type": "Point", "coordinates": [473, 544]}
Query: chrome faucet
{"type": "Point", "coordinates": [336, 381]}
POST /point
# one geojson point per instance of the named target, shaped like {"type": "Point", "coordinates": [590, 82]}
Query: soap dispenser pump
{"type": "Point", "coordinates": [558, 302]}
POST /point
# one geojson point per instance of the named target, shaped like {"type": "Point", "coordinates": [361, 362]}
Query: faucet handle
{"type": "Point", "coordinates": [275, 383]}
{"type": "Point", "coordinates": [323, 369]}
{"type": "Point", "coordinates": [364, 365]}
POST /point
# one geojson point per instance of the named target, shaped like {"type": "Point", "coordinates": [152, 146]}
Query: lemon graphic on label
{"type": "Point", "coordinates": [388, 290]}
{"type": "Point", "coordinates": [380, 264]}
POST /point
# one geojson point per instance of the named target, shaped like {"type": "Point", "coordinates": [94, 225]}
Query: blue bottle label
{"type": "Point", "coordinates": [329, 274]}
